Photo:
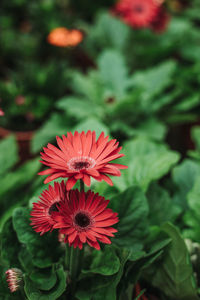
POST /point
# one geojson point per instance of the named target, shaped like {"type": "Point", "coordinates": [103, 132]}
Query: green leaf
{"type": "Point", "coordinates": [174, 275]}
{"type": "Point", "coordinates": [188, 103]}
{"type": "Point", "coordinates": [147, 161]}
{"type": "Point", "coordinates": [25, 259]}
{"type": "Point", "coordinates": [154, 80]}
{"type": "Point", "coordinates": [98, 287]}
{"type": "Point", "coordinates": [113, 72]}
{"type": "Point", "coordinates": [44, 250]}
{"type": "Point", "coordinates": [20, 177]}
{"type": "Point", "coordinates": [45, 279]}
{"type": "Point", "coordinates": [12, 185]}
{"type": "Point", "coordinates": [79, 108]}
{"type": "Point", "coordinates": [184, 177]}
{"type": "Point", "coordinates": [104, 262]}
{"type": "Point", "coordinates": [192, 216]}
{"type": "Point", "coordinates": [132, 208]}
{"type": "Point", "coordinates": [56, 125]}
{"type": "Point", "coordinates": [161, 206]}
{"type": "Point", "coordinates": [151, 128]}
{"type": "Point", "coordinates": [9, 245]}
{"type": "Point", "coordinates": [92, 124]}
{"type": "Point", "coordinates": [89, 86]}
{"type": "Point", "coordinates": [9, 154]}
{"type": "Point", "coordinates": [108, 32]}
{"type": "Point", "coordinates": [33, 293]}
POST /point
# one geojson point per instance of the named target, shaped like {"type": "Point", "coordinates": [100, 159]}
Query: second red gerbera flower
{"type": "Point", "coordinates": [80, 157]}
{"type": "Point", "coordinates": [85, 218]}
{"type": "Point", "coordinates": [42, 210]}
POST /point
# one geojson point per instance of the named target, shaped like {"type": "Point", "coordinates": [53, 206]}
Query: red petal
{"type": "Point", "coordinates": [70, 183]}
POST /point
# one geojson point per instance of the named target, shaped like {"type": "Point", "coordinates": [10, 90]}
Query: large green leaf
{"type": "Point", "coordinates": [104, 262]}
{"type": "Point", "coordinates": [99, 287]}
{"type": "Point", "coordinates": [34, 293]}
{"type": "Point", "coordinates": [132, 208]}
{"type": "Point", "coordinates": [154, 80]}
{"type": "Point", "coordinates": [44, 250]}
{"type": "Point", "coordinates": [9, 245]}
{"type": "Point", "coordinates": [11, 193]}
{"type": "Point", "coordinates": [161, 205]}
{"type": "Point", "coordinates": [8, 154]}
{"type": "Point", "coordinates": [113, 72]}
{"type": "Point", "coordinates": [56, 125]}
{"type": "Point", "coordinates": [192, 216]}
{"type": "Point", "coordinates": [89, 86]}
{"type": "Point", "coordinates": [184, 177]}
{"type": "Point", "coordinates": [174, 275]}
{"type": "Point", "coordinates": [45, 279]}
{"type": "Point", "coordinates": [80, 108]}
{"type": "Point", "coordinates": [14, 180]}
{"type": "Point", "coordinates": [108, 32]}
{"type": "Point", "coordinates": [150, 128]}
{"type": "Point", "coordinates": [92, 124]}
{"type": "Point", "coordinates": [147, 161]}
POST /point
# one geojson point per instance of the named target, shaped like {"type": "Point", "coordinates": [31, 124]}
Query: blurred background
{"type": "Point", "coordinates": [128, 68]}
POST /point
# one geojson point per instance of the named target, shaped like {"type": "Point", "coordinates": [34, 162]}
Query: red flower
{"type": "Point", "coordinates": [63, 37]}
{"type": "Point", "coordinates": [84, 218]}
{"type": "Point", "coordinates": [81, 156]}
{"type": "Point", "coordinates": [42, 210]}
{"type": "Point", "coordinates": [1, 112]}
{"type": "Point", "coordinates": [159, 24]}
{"type": "Point", "coordinates": [137, 13]}
{"type": "Point", "coordinates": [14, 278]}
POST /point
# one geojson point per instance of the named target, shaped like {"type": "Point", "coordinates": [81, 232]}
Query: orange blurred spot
{"type": "Point", "coordinates": [63, 37]}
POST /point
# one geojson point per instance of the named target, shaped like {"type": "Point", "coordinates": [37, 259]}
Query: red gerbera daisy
{"type": "Point", "coordinates": [42, 210]}
{"type": "Point", "coordinates": [84, 218]}
{"type": "Point", "coordinates": [81, 156]}
{"type": "Point", "coordinates": [136, 13]}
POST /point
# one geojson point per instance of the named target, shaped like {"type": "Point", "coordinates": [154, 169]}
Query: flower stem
{"type": "Point", "coordinates": [75, 265]}
{"type": "Point", "coordinates": [67, 257]}
{"type": "Point", "coordinates": [75, 262]}
{"type": "Point", "coordinates": [81, 185]}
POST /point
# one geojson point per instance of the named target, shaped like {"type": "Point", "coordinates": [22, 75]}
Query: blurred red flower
{"type": "Point", "coordinates": [159, 24]}
{"type": "Point", "coordinates": [1, 112]}
{"type": "Point", "coordinates": [84, 218]}
{"type": "Point", "coordinates": [20, 100]}
{"type": "Point", "coordinates": [80, 157]}
{"type": "Point", "coordinates": [63, 37]}
{"type": "Point", "coordinates": [137, 13]}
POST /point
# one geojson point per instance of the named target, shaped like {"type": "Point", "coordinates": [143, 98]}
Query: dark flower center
{"type": "Point", "coordinates": [82, 220]}
{"type": "Point", "coordinates": [138, 8]}
{"type": "Point", "coordinates": [81, 165]}
{"type": "Point", "coordinates": [54, 207]}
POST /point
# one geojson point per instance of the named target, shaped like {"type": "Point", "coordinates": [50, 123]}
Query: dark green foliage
{"type": "Point", "coordinates": [39, 247]}
{"type": "Point", "coordinates": [135, 85]}
{"type": "Point", "coordinates": [174, 275]}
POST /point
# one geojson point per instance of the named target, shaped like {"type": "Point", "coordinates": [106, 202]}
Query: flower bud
{"type": "Point", "coordinates": [14, 279]}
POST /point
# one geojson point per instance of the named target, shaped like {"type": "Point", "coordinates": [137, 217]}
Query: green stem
{"type": "Point", "coordinates": [81, 185]}
{"type": "Point", "coordinates": [67, 257]}
{"type": "Point", "coordinates": [75, 263]}
{"type": "Point", "coordinates": [74, 267]}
